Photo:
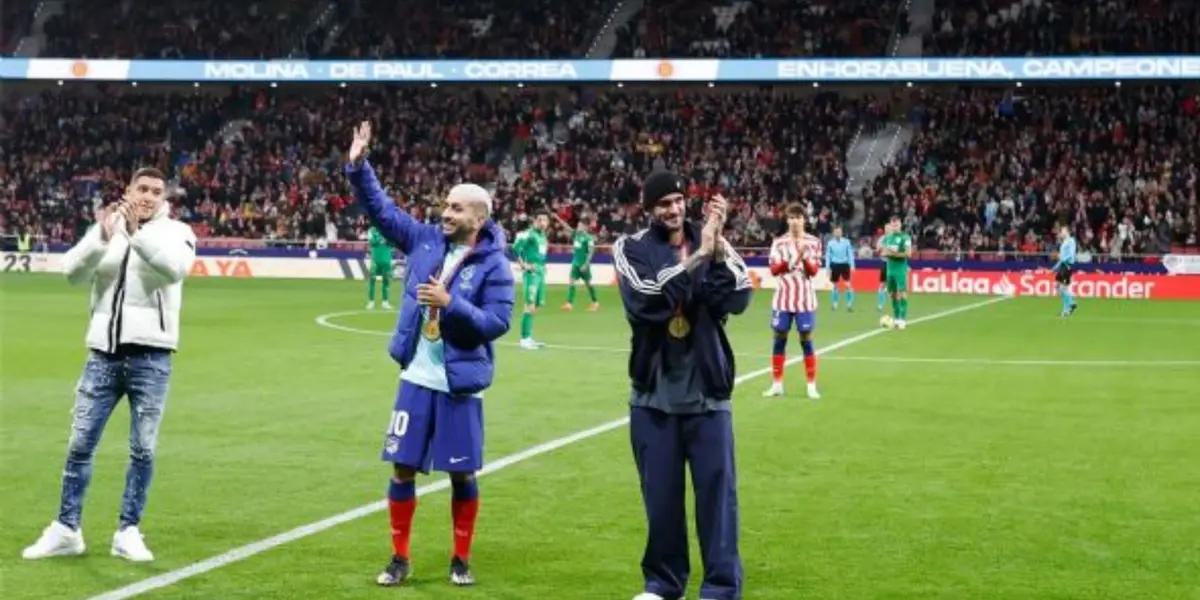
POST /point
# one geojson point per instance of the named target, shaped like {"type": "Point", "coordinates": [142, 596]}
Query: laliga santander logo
{"type": "Point", "coordinates": [1030, 284]}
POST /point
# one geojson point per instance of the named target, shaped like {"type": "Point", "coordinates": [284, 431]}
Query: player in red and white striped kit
{"type": "Point", "coordinates": [795, 259]}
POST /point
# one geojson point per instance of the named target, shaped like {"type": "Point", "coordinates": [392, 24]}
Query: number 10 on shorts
{"type": "Point", "coordinates": [399, 425]}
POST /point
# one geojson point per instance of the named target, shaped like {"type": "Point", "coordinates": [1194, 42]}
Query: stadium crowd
{"type": "Point", "coordinates": [987, 170]}
{"type": "Point", "coordinates": [1044, 28]}
{"type": "Point", "coordinates": [183, 30]}
{"type": "Point", "coordinates": [763, 28]}
{"type": "Point", "coordinates": [265, 163]}
{"type": "Point", "coordinates": [990, 170]}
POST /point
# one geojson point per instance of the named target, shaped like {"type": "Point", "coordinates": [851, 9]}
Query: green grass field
{"type": "Point", "coordinates": [996, 453]}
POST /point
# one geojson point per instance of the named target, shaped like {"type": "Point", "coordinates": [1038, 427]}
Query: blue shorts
{"type": "Point", "coordinates": [781, 321]}
{"type": "Point", "coordinates": [432, 430]}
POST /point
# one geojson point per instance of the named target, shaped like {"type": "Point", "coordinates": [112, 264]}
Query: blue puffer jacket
{"type": "Point", "coordinates": [481, 293]}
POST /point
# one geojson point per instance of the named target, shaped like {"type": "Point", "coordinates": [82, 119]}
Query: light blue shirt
{"type": "Point", "coordinates": [428, 366]}
{"type": "Point", "coordinates": [1066, 253]}
{"type": "Point", "coordinates": [839, 251]}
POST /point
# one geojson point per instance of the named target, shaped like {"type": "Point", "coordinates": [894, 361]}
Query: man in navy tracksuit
{"type": "Point", "coordinates": [679, 284]}
{"type": "Point", "coordinates": [458, 299]}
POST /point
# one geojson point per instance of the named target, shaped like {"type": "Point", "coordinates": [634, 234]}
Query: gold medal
{"type": "Point", "coordinates": [679, 327]}
{"type": "Point", "coordinates": [432, 331]}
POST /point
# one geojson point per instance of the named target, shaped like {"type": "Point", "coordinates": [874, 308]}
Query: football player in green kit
{"type": "Point", "coordinates": [898, 249]}
{"type": "Point", "coordinates": [583, 247]}
{"type": "Point", "coordinates": [379, 266]}
{"type": "Point", "coordinates": [530, 248]}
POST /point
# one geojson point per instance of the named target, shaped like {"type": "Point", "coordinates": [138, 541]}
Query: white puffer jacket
{"type": "Point", "coordinates": [137, 282]}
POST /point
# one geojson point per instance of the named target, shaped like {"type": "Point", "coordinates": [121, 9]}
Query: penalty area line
{"type": "Point", "coordinates": [243, 552]}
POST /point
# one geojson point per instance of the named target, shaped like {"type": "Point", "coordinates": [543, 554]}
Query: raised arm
{"type": "Point", "coordinates": [395, 224]}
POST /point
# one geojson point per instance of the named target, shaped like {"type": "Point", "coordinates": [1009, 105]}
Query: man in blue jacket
{"type": "Point", "coordinates": [679, 284]}
{"type": "Point", "coordinates": [458, 299]}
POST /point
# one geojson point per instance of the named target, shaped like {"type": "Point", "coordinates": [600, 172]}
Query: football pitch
{"type": "Point", "coordinates": [992, 450]}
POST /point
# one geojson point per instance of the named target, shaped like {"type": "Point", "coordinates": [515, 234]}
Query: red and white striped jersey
{"type": "Point", "coordinates": [794, 292]}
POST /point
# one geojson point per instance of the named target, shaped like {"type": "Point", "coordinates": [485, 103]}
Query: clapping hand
{"type": "Point", "coordinates": [105, 221]}
{"type": "Point", "coordinates": [362, 139]}
{"type": "Point", "coordinates": [711, 241]}
{"type": "Point", "coordinates": [129, 213]}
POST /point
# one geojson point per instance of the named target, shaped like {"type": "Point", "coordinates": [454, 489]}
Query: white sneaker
{"type": "Point", "coordinates": [900, 324]}
{"type": "Point", "coordinates": [387, 305]}
{"type": "Point", "coordinates": [129, 544]}
{"type": "Point", "coordinates": [57, 540]}
{"type": "Point", "coordinates": [529, 344]}
{"type": "Point", "coordinates": [813, 394]}
{"type": "Point", "coordinates": [371, 305]}
{"type": "Point", "coordinates": [649, 596]}
{"type": "Point", "coordinates": [776, 389]}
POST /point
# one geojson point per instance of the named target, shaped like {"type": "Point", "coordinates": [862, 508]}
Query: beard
{"type": "Point", "coordinates": [457, 232]}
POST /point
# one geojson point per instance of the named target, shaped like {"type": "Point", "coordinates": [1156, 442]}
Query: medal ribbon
{"type": "Point", "coordinates": [683, 256]}
{"type": "Point", "coordinates": [445, 277]}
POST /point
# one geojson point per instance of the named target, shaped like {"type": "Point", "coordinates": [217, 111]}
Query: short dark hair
{"type": "Point", "coordinates": [895, 217]}
{"type": "Point", "coordinates": [794, 209]}
{"type": "Point", "coordinates": [150, 172]}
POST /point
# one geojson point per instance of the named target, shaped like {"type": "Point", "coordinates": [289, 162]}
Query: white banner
{"type": "Point", "coordinates": [1182, 264]}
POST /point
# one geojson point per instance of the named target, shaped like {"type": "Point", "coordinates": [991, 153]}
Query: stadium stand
{"type": "Point", "coordinates": [150, 29]}
{"type": "Point", "coordinates": [762, 28]}
{"type": "Point", "coordinates": [275, 174]}
{"type": "Point", "coordinates": [986, 170]}
{"type": "Point", "coordinates": [473, 29]}
{"type": "Point", "coordinates": [994, 170]}
{"type": "Point", "coordinates": [1041, 28]}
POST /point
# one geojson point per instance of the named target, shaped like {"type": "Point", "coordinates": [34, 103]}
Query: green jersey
{"type": "Point", "coordinates": [531, 247]}
{"type": "Point", "coordinates": [581, 249]}
{"type": "Point", "coordinates": [897, 242]}
{"type": "Point", "coordinates": [381, 251]}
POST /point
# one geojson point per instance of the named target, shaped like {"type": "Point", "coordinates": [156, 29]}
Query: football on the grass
{"type": "Point", "coordinates": [811, 266]}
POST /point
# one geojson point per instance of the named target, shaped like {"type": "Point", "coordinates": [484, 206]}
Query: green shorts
{"type": "Point", "coordinates": [897, 280]}
{"type": "Point", "coordinates": [581, 272]}
{"type": "Point", "coordinates": [535, 288]}
{"type": "Point", "coordinates": [380, 269]}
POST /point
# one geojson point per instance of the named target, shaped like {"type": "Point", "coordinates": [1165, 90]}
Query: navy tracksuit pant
{"type": "Point", "coordinates": [663, 446]}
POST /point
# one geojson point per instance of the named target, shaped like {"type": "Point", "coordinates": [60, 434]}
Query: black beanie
{"type": "Point", "coordinates": [660, 184]}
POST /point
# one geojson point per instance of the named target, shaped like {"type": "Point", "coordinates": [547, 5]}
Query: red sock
{"type": "Point", "coordinates": [810, 367]}
{"type": "Point", "coordinates": [402, 505]}
{"type": "Point", "coordinates": [464, 508]}
{"type": "Point", "coordinates": [777, 364]}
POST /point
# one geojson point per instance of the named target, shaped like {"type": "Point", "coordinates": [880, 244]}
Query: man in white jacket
{"type": "Point", "coordinates": [134, 258]}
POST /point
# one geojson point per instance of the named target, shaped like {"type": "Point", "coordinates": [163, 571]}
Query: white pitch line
{"type": "Point", "coordinates": [327, 321]}
{"type": "Point", "coordinates": [1023, 362]}
{"type": "Point", "coordinates": [244, 552]}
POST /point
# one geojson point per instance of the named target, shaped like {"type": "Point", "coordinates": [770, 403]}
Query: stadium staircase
{"type": "Point", "coordinates": [31, 45]}
{"type": "Point", "coordinates": [876, 147]}
{"type": "Point", "coordinates": [323, 23]}
{"type": "Point", "coordinates": [619, 14]}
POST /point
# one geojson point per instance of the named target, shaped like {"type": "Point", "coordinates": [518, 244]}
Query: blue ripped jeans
{"type": "Point", "coordinates": [143, 376]}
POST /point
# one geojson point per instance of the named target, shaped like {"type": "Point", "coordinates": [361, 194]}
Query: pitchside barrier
{"type": "Point", "coordinates": [1159, 277]}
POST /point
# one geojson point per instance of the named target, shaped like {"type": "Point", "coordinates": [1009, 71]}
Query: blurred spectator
{"type": "Point", "coordinates": [266, 163]}
{"type": "Point", "coordinates": [993, 170]}
{"type": "Point", "coordinates": [1042, 27]}
{"type": "Point", "coordinates": [471, 29]}
{"type": "Point", "coordinates": [758, 28]}
{"type": "Point", "coordinates": [259, 29]}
